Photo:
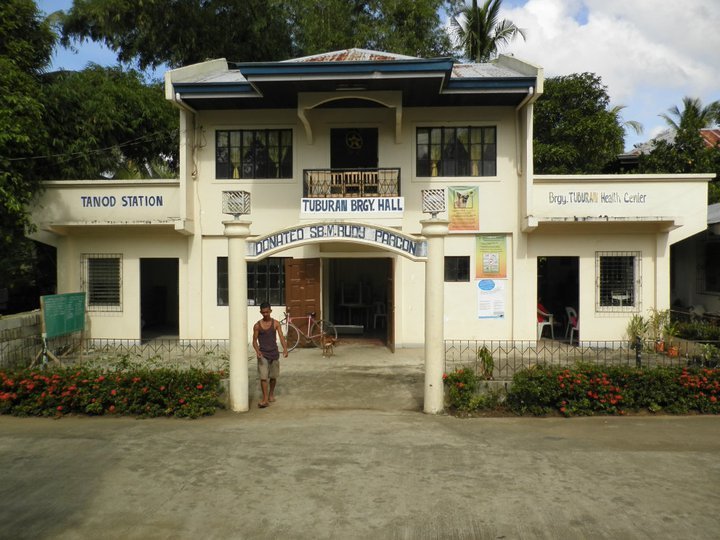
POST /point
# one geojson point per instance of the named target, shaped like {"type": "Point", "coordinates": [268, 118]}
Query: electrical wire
{"type": "Point", "coordinates": [131, 142]}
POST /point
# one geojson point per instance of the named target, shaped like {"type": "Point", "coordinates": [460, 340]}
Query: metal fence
{"type": "Point", "coordinates": [212, 354]}
{"type": "Point", "coordinates": [509, 357]}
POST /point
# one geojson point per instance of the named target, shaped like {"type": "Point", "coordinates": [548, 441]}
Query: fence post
{"type": "Point", "coordinates": [638, 352]}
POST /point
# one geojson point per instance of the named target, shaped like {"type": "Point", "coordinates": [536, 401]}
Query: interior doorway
{"type": "Point", "coordinates": [159, 298]}
{"type": "Point", "coordinates": [360, 298]}
{"type": "Point", "coordinates": [558, 288]}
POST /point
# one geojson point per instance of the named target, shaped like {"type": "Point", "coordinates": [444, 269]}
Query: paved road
{"type": "Point", "coordinates": [346, 453]}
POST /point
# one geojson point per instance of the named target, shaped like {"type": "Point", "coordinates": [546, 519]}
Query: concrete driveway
{"type": "Point", "coordinates": [346, 453]}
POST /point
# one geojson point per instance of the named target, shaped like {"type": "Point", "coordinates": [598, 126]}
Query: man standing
{"type": "Point", "coordinates": [265, 334]}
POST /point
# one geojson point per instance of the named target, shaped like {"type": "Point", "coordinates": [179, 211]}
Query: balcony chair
{"type": "Point", "coordinates": [545, 319]}
{"type": "Point", "coordinates": [572, 325]}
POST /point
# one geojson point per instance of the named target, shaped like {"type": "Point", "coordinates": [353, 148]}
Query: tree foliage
{"type": "Point", "coordinates": [574, 131]}
{"type": "Point", "coordinates": [102, 119]}
{"type": "Point", "coordinates": [26, 43]}
{"type": "Point", "coordinates": [687, 152]}
{"type": "Point", "coordinates": [400, 26]}
{"type": "Point", "coordinates": [481, 32]}
{"type": "Point", "coordinates": [182, 32]}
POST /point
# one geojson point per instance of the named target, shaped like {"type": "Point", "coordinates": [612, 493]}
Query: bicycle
{"type": "Point", "coordinates": [316, 330]}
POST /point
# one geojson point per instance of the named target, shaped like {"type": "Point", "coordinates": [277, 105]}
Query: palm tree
{"type": "Point", "coordinates": [694, 116]}
{"type": "Point", "coordinates": [636, 126]}
{"type": "Point", "coordinates": [481, 33]}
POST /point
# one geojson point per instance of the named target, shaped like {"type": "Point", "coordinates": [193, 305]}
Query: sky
{"type": "Point", "coordinates": [649, 53]}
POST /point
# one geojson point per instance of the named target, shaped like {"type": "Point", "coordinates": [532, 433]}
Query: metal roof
{"type": "Point", "coordinates": [422, 82]}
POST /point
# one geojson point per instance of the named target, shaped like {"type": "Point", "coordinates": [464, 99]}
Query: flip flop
{"type": "Point", "coordinates": [263, 405]}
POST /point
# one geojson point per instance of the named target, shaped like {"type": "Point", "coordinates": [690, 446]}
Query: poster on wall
{"type": "Point", "coordinates": [490, 256]}
{"type": "Point", "coordinates": [463, 208]}
{"type": "Point", "coordinates": [491, 298]}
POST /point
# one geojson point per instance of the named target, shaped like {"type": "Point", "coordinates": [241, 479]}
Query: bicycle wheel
{"type": "Point", "coordinates": [322, 328]}
{"type": "Point", "coordinates": [292, 337]}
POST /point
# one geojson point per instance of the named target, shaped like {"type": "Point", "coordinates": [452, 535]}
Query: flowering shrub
{"type": "Point", "coordinates": [461, 385]}
{"type": "Point", "coordinates": [140, 392]}
{"type": "Point", "coordinates": [614, 390]}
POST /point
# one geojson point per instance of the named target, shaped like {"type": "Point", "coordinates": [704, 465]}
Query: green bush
{"type": "Point", "coordinates": [461, 385]}
{"type": "Point", "coordinates": [698, 330]}
{"type": "Point", "coordinates": [136, 391]}
{"type": "Point", "coordinates": [586, 390]}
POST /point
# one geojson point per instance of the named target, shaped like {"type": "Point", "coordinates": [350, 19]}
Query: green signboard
{"type": "Point", "coordinates": [63, 314]}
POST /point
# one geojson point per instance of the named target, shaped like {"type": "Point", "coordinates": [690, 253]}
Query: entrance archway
{"type": "Point", "coordinates": [428, 248]}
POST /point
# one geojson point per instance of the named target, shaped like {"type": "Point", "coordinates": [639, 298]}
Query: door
{"type": "Point", "coordinates": [302, 287]}
{"type": "Point", "coordinates": [354, 148]}
{"type": "Point", "coordinates": [159, 297]}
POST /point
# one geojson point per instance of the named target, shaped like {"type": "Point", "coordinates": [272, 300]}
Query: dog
{"type": "Point", "coordinates": [461, 200]}
{"type": "Point", "coordinates": [328, 346]}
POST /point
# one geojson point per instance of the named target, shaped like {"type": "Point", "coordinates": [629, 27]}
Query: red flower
{"type": "Point", "coordinates": [199, 386]}
{"type": "Point", "coordinates": [111, 408]}
{"type": "Point", "coordinates": [562, 409]}
{"type": "Point", "coordinates": [162, 388]}
{"type": "Point", "coordinates": [181, 401]}
{"type": "Point", "coordinates": [713, 399]}
{"type": "Point", "coordinates": [113, 392]}
{"type": "Point", "coordinates": [445, 376]}
{"type": "Point", "coordinates": [60, 408]}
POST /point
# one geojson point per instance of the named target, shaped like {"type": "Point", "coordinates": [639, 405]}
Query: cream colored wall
{"type": "Point", "coordinates": [276, 205]}
{"type": "Point", "coordinates": [593, 325]}
{"type": "Point", "coordinates": [133, 245]}
{"type": "Point", "coordinates": [73, 202]}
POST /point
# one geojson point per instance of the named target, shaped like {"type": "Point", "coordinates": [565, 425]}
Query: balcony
{"type": "Point", "coordinates": [326, 183]}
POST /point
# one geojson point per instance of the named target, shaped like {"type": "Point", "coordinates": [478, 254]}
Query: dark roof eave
{"type": "Point", "coordinates": [214, 88]}
{"type": "Point", "coordinates": [283, 69]}
{"type": "Point", "coordinates": [519, 83]}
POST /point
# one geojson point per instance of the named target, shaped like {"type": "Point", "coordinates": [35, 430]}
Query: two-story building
{"type": "Point", "coordinates": [337, 151]}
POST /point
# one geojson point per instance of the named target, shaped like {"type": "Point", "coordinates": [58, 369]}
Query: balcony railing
{"type": "Point", "coordinates": [323, 183]}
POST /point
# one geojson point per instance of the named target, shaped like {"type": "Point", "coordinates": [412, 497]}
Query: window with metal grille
{"type": "Point", "coordinates": [618, 281]}
{"type": "Point", "coordinates": [102, 281]}
{"type": "Point", "coordinates": [266, 281]}
{"type": "Point", "coordinates": [255, 153]}
{"type": "Point", "coordinates": [457, 268]}
{"type": "Point", "coordinates": [456, 151]}
{"type": "Point", "coordinates": [708, 270]}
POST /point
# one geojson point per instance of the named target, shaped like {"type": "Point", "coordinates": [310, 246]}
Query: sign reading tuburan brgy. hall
{"type": "Point", "coordinates": [409, 246]}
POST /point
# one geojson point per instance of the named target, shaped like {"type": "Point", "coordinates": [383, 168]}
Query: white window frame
{"type": "Point", "coordinates": [623, 297]}
{"type": "Point", "coordinates": [87, 286]}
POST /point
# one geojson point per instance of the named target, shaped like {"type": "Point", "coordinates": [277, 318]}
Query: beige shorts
{"type": "Point", "coordinates": [268, 369]}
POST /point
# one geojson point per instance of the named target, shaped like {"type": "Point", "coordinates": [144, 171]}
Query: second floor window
{"type": "Point", "coordinates": [253, 153]}
{"type": "Point", "coordinates": [456, 151]}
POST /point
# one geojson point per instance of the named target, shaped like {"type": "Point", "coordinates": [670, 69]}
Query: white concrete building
{"type": "Point", "coordinates": [335, 151]}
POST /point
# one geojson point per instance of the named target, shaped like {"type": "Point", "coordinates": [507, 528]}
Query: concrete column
{"type": "Point", "coordinates": [435, 231]}
{"type": "Point", "coordinates": [237, 232]}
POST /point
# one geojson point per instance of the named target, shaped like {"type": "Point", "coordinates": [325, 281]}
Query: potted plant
{"type": "Point", "coordinates": [656, 323]}
{"type": "Point", "coordinates": [487, 364]}
{"type": "Point", "coordinates": [636, 330]}
{"type": "Point", "coordinates": [671, 330]}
